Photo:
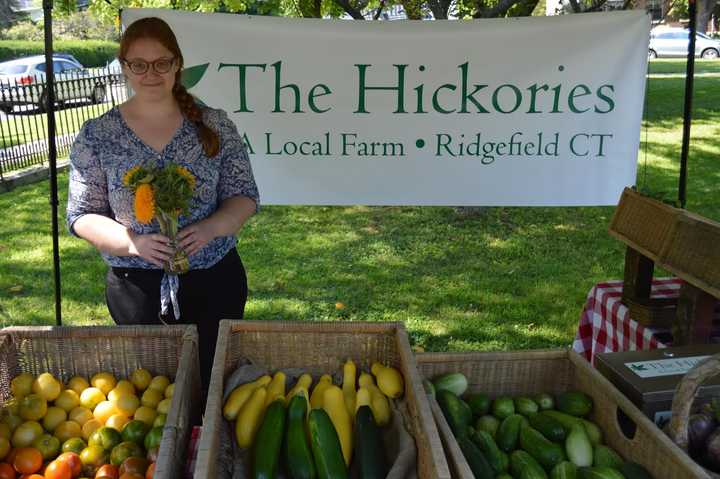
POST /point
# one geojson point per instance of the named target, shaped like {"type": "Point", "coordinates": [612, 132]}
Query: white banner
{"type": "Point", "coordinates": [518, 111]}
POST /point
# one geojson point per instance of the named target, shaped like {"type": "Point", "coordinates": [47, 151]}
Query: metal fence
{"type": "Point", "coordinates": [80, 95]}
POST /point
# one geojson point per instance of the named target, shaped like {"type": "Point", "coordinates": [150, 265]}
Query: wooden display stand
{"type": "Point", "coordinates": [688, 245]}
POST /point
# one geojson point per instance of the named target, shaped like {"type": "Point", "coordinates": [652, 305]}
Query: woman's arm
{"type": "Point", "coordinates": [110, 237]}
{"type": "Point", "coordinates": [226, 221]}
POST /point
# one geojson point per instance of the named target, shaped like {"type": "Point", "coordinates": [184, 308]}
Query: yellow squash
{"type": "Point", "coordinates": [276, 388]}
{"type": "Point", "coordinates": [303, 382]}
{"type": "Point", "coordinates": [240, 395]}
{"type": "Point", "coordinates": [378, 402]}
{"type": "Point", "coordinates": [316, 398]}
{"type": "Point", "coordinates": [389, 380]}
{"type": "Point", "coordinates": [334, 405]}
{"type": "Point", "coordinates": [250, 417]}
{"type": "Point", "coordinates": [348, 387]}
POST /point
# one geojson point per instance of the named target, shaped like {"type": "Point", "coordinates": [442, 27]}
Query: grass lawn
{"type": "Point", "coordinates": [511, 278]}
{"type": "Point", "coordinates": [678, 65]}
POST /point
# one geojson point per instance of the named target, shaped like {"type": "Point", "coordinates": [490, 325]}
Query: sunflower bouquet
{"type": "Point", "coordinates": [163, 194]}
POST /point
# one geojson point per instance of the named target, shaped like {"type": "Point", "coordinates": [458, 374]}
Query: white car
{"type": "Point", "coordinates": [22, 82]}
{"type": "Point", "coordinates": [673, 42]}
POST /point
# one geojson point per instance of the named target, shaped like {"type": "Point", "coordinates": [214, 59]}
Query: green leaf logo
{"type": "Point", "coordinates": [191, 76]}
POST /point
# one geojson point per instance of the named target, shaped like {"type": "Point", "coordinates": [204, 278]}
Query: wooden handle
{"type": "Point", "coordinates": [685, 395]}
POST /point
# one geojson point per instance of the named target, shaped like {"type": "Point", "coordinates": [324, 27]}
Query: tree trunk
{"type": "Point", "coordinates": [705, 9]}
{"type": "Point", "coordinates": [439, 8]}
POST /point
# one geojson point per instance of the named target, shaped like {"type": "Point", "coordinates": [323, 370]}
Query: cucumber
{"type": "Point", "coordinates": [479, 404]}
{"type": "Point", "coordinates": [522, 462]}
{"type": "Point", "coordinates": [298, 455]}
{"type": "Point", "coordinates": [508, 433]}
{"type": "Point", "coordinates": [564, 470]}
{"type": "Point", "coordinates": [545, 401]}
{"type": "Point", "coordinates": [578, 447]}
{"type": "Point", "coordinates": [368, 446]}
{"type": "Point", "coordinates": [593, 431]}
{"type": "Point", "coordinates": [605, 456]}
{"type": "Point", "coordinates": [456, 412]}
{"type": "Point", "coordinates": [547, 453]}
{"type": "Point", "coordinates": [489, 424]}
{"type": "Point", "coordinates": [503, 407]}
{"type": "Point", "coordinates": [526, 406]}
{"type": "Point", "coordinates": [574, 403]}
{"type": "Point", "coordinates": [456, 383]}
{"type": "Point", "coordinates": [600, 473]}
{"type": "Point", "coordinates": [549, 427]}
{"type": "Point", "coordinates": [497, 459]}
{"type": "Point", "coordinates": [268, 441]}
{"type": "Point", "coordinates": [566, 420]}
{"type": "Point", "coordinates": [633, 470]}
{"type": "Point", "coordinates": [479, 466]}
{"type": "Point", "coordinates": [325, 445]}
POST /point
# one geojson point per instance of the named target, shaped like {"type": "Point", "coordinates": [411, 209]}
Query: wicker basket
{"type": "Point", "coordinates": [552, 371]}
{"type": "Point", "coordinates": [643, 223]}
{"type": "Point", "coordinates": [685, 397]}
{"type": "Point", "coordinates": [692, 252]}
{"type": "Point", "coordinates": [318, 347]}
{"type": "Point", "coordinates": [84, 351]}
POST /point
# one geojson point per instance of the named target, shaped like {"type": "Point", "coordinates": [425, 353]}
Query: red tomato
{"type": "Point", "coordinates": [108, 471]}
{"type": "Point", "coordinates": [6, 471]}
{"type": "Point", "coordinates": [58, 470]}
{"type": "Point", "coordinates": [72, 460]}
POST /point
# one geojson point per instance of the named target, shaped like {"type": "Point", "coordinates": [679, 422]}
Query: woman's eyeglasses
{"type": "Point", "coordinates": [140, 67]}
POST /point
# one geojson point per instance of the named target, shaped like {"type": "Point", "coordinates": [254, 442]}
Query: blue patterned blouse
{"type": "Point", "coordinates": [106, 148]}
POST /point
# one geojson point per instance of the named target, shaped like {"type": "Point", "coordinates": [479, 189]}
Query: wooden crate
{"type": "Point", "coordinates": [317, 348]}
{"type": "Point", "coordinates": [84, 351]}
{"type": "Point", "coordinates": [553, 371]}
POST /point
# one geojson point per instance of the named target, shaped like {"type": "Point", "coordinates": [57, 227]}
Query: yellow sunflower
{"type": "Point", "coordinates": [144, 203]}
{"type": "Point", "coordinates": [185, 173]}
{"type": "Point", "coordinates": [130, 173]}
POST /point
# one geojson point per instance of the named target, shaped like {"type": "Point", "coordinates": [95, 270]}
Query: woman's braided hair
{"type": "Point", "coordinates": [156, 29]}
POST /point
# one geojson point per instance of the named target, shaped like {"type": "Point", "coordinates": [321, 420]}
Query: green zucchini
{"type": "Point", "coordinates": [545, 401]}
{"type": "Point", "coordinates": [498, 459]}
{"type": "Point", "coordinates": [549, 427]}
{"type": "Point", "coordinates": [522, 462]}
{"type": "Point", "coordinates": [368, 446]}
{"type": "Point", "coordinates": [547, 453]}
{"type": "Point", "coordinates": [268, 441]}
{"type": "Point", "coordinates": [526, 406]}
{"type": "Point", "coordinates": [503, 407]}
{"type": "Point", "coordinates": [489, 424]}
{"type": "Point", "coordinates": [325, 445]}
{"type": "Point", "coordinates": [566, 420]}
{"type": "Point", "coordinates": [456, 383]}
{"type": "Point", "coordinates": [479, 465]}
{"type": "Point", "coordinates": [593, 431]}
{"type": "Point", "coordinates": [456, 412]}
{"type": "Point", "coordinates": [508, 432]}
{"type": "Point", "coordinates": [298, 454]}
{"type": "Point", "coordinates": [479, 404]}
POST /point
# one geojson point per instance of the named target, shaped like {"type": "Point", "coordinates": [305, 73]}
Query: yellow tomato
{"type": "Point", "coordinates": [81, 415]}
{"type": "Point", "coordinates": [91, 397]}
{"type": "Point", "coordinates": [104, 382]}
{"type": "Point", "coordinates": [141, 379]}
{"type": "Point", "coordinates": [160, 383]}
{"type": "Point", "coordinates": [68, 400]}
{"type": "Point", "coordinates": [47, 386]}
{"type": "Point", "coordinates": [78, 384]}
{"type": "Point", "coordinates": [21, 385]}
{"type": "Point", "coordinates": [53, 418]}
{"type": "Point", "coordinates": [67, 430]}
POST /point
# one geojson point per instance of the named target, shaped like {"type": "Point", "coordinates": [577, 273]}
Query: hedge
{"type": "Point", "coordinates": [91, 53]}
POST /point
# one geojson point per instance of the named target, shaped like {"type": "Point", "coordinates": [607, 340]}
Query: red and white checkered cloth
{"type": "Point", "coordinates": [605, 324]}
{"type": "Point", "coordinates": [192, 452]}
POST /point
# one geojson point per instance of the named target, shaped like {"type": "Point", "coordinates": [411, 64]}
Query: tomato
{"type": "Point", "coordinates": [92, 458]}
{"type": "Point", "coordinates": [49, 446]}
{"type": "Point", "coordinates": [131, 475]}
{"type": "Point", "coordinates": [58, 470]}
{"type": "Point", "coordinates": [153, 438]}
{"type": "Point", "coordinates": [108, 471]}
{"type": "Point", "coordinates": [6, 471]}
{"type": "Point", "coordinates": [105, 437]}
{"type": "Point", "coordinates": [150, 471]}
{"type": "Point", "coordinates": [72, 460]}
{"type": "Point", "coordinates": [134, 465]}
{"type": "Point", "coordinates": [135, 431]}
{"type": "Point", "coordinates": [125, 450]}
{"type": "Point", "coordinates": [28, 460]}
{"type": "Point", "coordinates": [74, 444]}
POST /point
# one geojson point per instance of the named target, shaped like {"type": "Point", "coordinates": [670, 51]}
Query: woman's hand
{"type": "Point", "coordinates": [194, 237]}
{"type": "Point", "coordinates": [151, 247]}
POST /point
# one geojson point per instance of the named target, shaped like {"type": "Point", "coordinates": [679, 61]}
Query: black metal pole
{"type": "Point", "coordinates": [687, 113]}
{"type": "Point", "coordinates": [52, 153]}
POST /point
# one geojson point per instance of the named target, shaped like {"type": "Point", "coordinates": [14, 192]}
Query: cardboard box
{"type": "Point", "coordinates": [649, 378]}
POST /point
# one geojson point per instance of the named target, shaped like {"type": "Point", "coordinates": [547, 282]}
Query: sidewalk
{"type": "Point", "coordinates": [33, 174]}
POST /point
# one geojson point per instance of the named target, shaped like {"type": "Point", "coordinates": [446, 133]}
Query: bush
{"type": "Point", "coordinates": [91, 53]}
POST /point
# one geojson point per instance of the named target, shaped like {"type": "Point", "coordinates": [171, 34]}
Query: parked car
{"type": "Point", "coordinates": [22, 82]}
{"type": "Point", "coordinates": [673, 42]}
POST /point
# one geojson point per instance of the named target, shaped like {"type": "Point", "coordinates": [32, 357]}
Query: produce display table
{"type": "Point", "coordinates": [605, 323]}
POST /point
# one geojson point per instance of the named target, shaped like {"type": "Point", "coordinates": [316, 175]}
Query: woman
{"type": "Point", "coordinates": [159, 125]}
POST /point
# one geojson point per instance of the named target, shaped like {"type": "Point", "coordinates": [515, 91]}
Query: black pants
{"type": "Point", "coordinates": [206, 296]}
